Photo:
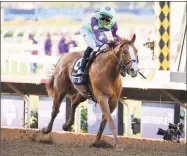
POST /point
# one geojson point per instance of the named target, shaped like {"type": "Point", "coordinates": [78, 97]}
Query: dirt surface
{"type": "Point", "coordinates": [20, 143]}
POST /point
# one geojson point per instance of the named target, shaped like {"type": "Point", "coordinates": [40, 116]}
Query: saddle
{"type": "Point", "coordinates": [82, 79]}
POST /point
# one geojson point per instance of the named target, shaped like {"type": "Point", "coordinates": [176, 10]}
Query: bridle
{"type": "Point", "coordinates": [124, 65]}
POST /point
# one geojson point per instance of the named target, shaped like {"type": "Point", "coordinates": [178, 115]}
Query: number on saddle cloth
{"type": "Point", "coordinates": [78, 79]}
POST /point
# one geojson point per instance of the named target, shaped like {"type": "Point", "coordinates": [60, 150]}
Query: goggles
{"type": "Point", "coordinates": [105, 18]}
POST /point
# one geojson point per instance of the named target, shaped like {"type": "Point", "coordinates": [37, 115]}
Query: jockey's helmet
{"type": "Point", "coordinates": [107, 11]}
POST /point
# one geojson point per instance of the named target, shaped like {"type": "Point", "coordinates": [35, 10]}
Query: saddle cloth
{"type": "Point", "coordinates": [78, 79]}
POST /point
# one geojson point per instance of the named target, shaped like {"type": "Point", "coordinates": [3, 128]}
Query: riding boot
{"type": "Point", "coordinates": [84, 60]}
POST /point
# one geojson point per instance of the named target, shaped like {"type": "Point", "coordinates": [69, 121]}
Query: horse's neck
{"type": "Point", "coordinates": [113, 63]}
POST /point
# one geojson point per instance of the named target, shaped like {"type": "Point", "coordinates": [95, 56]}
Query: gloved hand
{"type": "Point", "coordinates": [112, 43]}
{"type": "Point", "coordinates": [105, 47]}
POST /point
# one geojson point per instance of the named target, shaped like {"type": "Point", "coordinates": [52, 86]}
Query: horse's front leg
{"type": "Point", "coordinates": [101, 128]}
{"type": "Point", "coordinates": [103, 124]}
{"type": "Point", "coordinates": [76, 100]}
{"type": "Point", "coordinates": [103, 101]}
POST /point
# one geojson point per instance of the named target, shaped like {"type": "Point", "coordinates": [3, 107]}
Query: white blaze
{"type": "Point", "coordinates": [134, 64]}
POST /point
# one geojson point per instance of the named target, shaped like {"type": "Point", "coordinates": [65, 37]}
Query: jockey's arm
{"type": "Point", "coordinates": [96, 31]}
{"type": "Point", "coordinates": [114, 32]}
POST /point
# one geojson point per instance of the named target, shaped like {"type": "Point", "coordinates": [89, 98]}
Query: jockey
{"type": "Point", "coordinates": [93, 35]}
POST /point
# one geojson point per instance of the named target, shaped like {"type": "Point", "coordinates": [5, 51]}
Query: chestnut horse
{"type": "Point", "coordinates": [104, 83]}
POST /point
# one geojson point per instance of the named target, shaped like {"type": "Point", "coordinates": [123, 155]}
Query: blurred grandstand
{"type": "Point", "coordinates": [39, 18]}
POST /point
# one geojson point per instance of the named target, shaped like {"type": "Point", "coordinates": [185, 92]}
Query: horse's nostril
{"type": "Point", "coordinates": [132, 69]}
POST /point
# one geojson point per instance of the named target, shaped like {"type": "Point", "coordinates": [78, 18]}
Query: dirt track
{"type": "Point", "coordinates": [28, 143]}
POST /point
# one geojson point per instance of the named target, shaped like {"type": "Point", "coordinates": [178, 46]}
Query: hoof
{"type": "Point", "coordinates": [101, 144]}
{"type": "Point", "coordinates": [45, 130]}
{"type": "Point", "coordinates": [65, 127]}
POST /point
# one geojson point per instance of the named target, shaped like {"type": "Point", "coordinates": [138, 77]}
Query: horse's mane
{"type": "Point", "coordinates": [123, 39]}
{"type": "Point", "coordinates": [112, 44]}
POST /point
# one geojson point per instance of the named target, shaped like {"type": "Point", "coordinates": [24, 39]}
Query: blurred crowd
{"type": "Point", "coordinates": [64, 42]}
{"type": "Point", "coordinates": [63, 45]}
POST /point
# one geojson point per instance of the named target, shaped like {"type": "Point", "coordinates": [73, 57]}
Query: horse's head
{"type": "Point", "coordinates": [129, 57]}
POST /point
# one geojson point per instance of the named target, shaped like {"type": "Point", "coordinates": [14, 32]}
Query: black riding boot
{"type": "Point", "coordinates": [85, 60]}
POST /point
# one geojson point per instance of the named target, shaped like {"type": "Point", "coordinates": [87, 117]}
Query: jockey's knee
{"type": "Point", "coordinates": [92, 45]}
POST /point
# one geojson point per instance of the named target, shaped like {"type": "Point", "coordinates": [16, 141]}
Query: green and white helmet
{"type": "Point", "coordinates": [107, 11]}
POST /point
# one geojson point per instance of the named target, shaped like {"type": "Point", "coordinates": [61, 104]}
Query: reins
{"type": "Point", "coordinates": [124, 66]}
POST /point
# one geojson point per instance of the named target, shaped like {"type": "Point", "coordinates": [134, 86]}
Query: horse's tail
{"type": "Point", "coordinates": [50, 84]}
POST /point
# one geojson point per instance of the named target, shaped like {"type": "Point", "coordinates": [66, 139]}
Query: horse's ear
{"type": "Point", "coordinates": [133, 39]}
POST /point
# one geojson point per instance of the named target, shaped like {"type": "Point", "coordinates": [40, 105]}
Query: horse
{"type": "Point", "coordinates": [104, 83]}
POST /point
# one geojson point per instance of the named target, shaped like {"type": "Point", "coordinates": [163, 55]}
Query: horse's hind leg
{"type": "Point", "coordinates": [75, 101]}
{"type": "Point", "coordinates": [103, 124]}
{"type": "Point", "coordinates": [55, 110]}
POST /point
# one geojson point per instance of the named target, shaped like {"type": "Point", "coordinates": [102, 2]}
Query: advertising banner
{"type": "Point", "coordinates": [12, 111]}
{"type": "Point", "coordinates": [154, 116]}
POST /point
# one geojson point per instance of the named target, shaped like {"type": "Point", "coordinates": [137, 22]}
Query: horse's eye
{"type": "Point", "coordinates": [125, 53]}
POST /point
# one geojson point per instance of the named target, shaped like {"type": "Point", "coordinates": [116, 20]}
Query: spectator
{"type": "Point", "coordinates": [48, 45]}
{"type": "Point", "coordinates": [34, 52]}
{"type": "Point", "coordinates": [70, 43]}
{"type": "Point", "coordinates": [62, 46]}
{"type": "Point", "coordinates": [33, 66]}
